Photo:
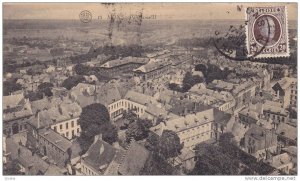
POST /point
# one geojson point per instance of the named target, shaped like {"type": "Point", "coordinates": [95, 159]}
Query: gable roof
{"type": "Point", "coordinates": [56, 139]}
{"type": "Point", "coordinates": [99, 155]}
{"type": "Point", "coordinates": [32, 162]}
{"type": "Point", "coordinates": [134, 159]}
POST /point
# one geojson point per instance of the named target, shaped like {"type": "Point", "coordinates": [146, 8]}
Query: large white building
{"type": "Point", "coordinates": [195, 128]}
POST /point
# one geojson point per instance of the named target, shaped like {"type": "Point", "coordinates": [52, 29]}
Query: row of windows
{"type": "Point", "coordinates": [196, 128]}
{"type": "Point", "coordinates": [46, 142]}
{"type": "Point", "coordinates": [66, 125]}
{"type": "Point", "coordinates": [72, 133]}
{"type": "Point", "coordinates": [126, 104]}
{"type": "Point", "coordinates": [198, 136]}
{"type": "Point", "coordinates": [276, 116]}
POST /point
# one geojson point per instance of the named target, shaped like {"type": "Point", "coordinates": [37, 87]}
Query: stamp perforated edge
{"type": "Point", "coordinates": [274, 55]}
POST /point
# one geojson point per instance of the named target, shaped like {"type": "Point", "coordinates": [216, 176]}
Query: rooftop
{"type": "Point", "coordinates": [134, 159]}
{"type": "Point", "coordinates": [99, 155]}
{"type": "Point", "coordinates": [58, 140]}
{"type": "Point", "coordinates": [126, 60]}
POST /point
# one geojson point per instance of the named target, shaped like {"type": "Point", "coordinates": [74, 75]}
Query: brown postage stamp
{"type": "Point", "coordinates": [267, 32]}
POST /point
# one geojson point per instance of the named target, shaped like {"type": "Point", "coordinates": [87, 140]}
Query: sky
{"type": "Point", "coordinates": [163, 11]}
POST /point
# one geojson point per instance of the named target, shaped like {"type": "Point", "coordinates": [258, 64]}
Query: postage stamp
{"type": "Point", "coordinates": [267, 32]}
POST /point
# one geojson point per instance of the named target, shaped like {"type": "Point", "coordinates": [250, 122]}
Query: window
{"type": "Point", "coordinates": [67, 125]}
{"type": "Point", "coordinates": [72, 124]}
{"type": "Point", "coordinates": [55, 128]}
{"type": "Point", "coordinates": [73, 133]}
{"type": "Point", "coordinates": [60, 127]}
{"type": "Point", "coordinates": [77, 130]}
{"type": "Point", "coordinates": [67, 134]}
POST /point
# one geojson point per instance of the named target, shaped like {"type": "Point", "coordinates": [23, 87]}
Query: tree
{"type": "Point", "coordinates": [45, 88]}
{"type": "Point", "coordinates": [81, 69]}
{"type": "Point", "coordinates": [10, 86]}
{"type": "Point", "coordinates": [202, 68]}
{"type": "Point", "coordinates": [130, 116]}
{"type": "Point", "coordinates": [152, 142]}
{"type": "Point", "coordinates": [92, 120]}
{"type": "Point", "coordinates": [138, 130]}
{"type": "Point", "coordinates": [71, 82]}
{"type": "Point", "coordinates": [110, 133]}
{"type": "Point", "coordinates": [213, 160]}
{"type": "Point", "coordinates": [190, 80]}
{"type": "Point", "coordinates": [169, 145]}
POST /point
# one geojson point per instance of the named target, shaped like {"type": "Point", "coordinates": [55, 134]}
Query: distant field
{"type": "Point", "coordinates": [150, 32]}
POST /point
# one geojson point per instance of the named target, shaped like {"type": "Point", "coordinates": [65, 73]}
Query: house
{"type": "Point", "coordinates": [285, 90]}
{"type": "Point", "coordinates": [292, 152]}
{"type": "Point", "coordinates": [275, 112]}
{"type": "Point", "coordinates": [287, 134]}
{"type": "Point", "coordinates": [53, 145]}
{"type": "Point", "coordinates": [74, 164]}
{"type": "Point", "coordinates": [63, 119]}
{"type": "Point", "coordinates": [98, 157]}
{"type": "Point", "coordinates": [16, 113]}
{"type": "Point", "coordinates": [282, 162]}
{"type": "Point", "coordinates": [29, 161]}
{"type": "Point", "coordinates": [259, 141]}
{"type": "Point", "coordinates": [133, 160]}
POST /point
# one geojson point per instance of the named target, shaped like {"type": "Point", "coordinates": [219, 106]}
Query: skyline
{"type": "Point", "coordinates": [163, 11]}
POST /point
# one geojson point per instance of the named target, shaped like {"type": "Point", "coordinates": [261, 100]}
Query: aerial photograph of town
{"type": "Point", "coordinates": [92, 89]}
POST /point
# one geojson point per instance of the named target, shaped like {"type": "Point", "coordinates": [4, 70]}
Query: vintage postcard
{"type": "Point", "coordinates": [93, 89]}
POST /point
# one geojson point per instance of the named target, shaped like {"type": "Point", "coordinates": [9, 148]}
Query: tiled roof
{"type": "Point", "coordinates": [15, 107]}
{"type": "Point", "coordinates": [287, 131]}
{"type": "Point", "coordinates": [56, 139]}
{"type": "Point", "coordinates": [139, 98]}
{"type": "Point", "coordinates": [134, 159]}
{"type": "Point", "coordinates": [32, 162]}
{"type": "Point", "coordinates": [152, 65]}
{"type": "Point", "coordinates": [192, 120]}
{"type": "Point", "coordinates": [99, 155]}
{"type": "Point", "coordinates": [65, 111]}
{"type": "Point", "coordinates": [279, 160]}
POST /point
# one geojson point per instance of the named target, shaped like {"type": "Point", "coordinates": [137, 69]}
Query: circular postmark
{"type": "Point", "coordinates": [267, 28]}
{"type": "Point", "coordinates": [85, 16]}
{"type": "Point", "coordinates": [232, 43]}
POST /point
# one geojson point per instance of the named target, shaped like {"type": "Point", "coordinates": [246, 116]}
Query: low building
{"type": "Point", "coordinates": [118, 67]}
{"type": "Point", "coordinates": [287, 134]}
{"type": "Point", "coordinates": [282, 162]}
{"type": "Point", "coordinates": [194, 128]}
{"type": "Point", "coordinates": [259, 141]}
{"type": "Point", "coordinates": [54, 146]}
{"type": "Point", "coordinates": [16, 113]}
{"type": "Point", "coordinates": [98, 157]}
{"type": "Point", "coordinates": [285, 90]}
{"type": "Point", "coordinates": [153, 69]}
{"type": "Point", "coordinates": [133, 160]}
